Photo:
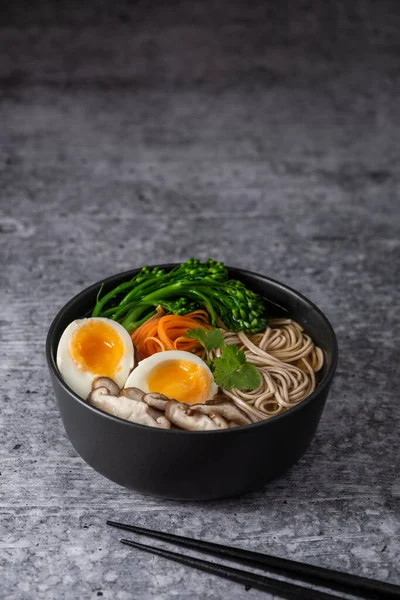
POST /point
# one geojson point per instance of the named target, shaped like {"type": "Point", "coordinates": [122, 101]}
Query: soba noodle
{"type": "Point", "coordinates": [287, 360]}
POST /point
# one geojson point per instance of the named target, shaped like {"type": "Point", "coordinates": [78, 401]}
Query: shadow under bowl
{"type": "Point", "coordinates": [188, 465]}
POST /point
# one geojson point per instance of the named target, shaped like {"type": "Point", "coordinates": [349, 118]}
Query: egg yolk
{"type": "Point", "coordinates": [180, 380]}
{"type": "Point", "coordinates": [96, 347]}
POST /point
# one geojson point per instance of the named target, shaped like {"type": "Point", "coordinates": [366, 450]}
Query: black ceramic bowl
{"type": "Point", "coordinates": [189, 465]}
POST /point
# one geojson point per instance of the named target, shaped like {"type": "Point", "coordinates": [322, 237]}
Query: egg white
{"type": "Point", "coordinates": [138, 377]}
{"type": "Point", "coordinates": [79, 380]}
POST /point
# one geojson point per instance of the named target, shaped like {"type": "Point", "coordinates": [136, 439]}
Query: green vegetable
{"type": "Point", "coordinates": [214, 338]}
{"type": "Point", "coordinates": [231, 368]}
{"type": "Point", "coordinates": [189, 285]}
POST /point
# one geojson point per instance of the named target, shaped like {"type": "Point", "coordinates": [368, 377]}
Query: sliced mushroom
{"type": "Point", "coordinates": [183, 416]}
{"type": "Point", "coordinates": [133, 393]}
{"type": "Point", "coordinates": [218, 399]}
{"type": "Point", "coordinates": [113, 405]}
{"type": "Point", "coordinates": [156, 414]}
{"type": "Point", "coordinates": [97, 392]}
{"type": "Point", "coordinates": [108, 383]}
{"type": "Point", "coordinates": [155, 400]}
{"type": "Point", "coordinates": [228, 410]}
{"type": "Point", "coordinates": [219, 421]}
{"type": "Point", "coordinates": [126, 408]}
{"type": "Point", "coordinates": [145, 415]}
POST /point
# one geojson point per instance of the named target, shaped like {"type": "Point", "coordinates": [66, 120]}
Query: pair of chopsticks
{"type": "Point", "coordinates": [336, 581]}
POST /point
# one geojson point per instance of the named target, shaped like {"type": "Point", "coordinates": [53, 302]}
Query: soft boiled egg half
{"type": "Point", "coordinates": [91, 348]}
{"type": "Point", "coordinates": [180, 375]}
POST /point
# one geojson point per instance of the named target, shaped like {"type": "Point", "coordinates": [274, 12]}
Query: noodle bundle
{"type": "Point", "coordinates": [287, 360]}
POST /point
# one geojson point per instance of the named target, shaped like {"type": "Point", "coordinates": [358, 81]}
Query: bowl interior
{"type": "Point", "coordinates": [281, 301]}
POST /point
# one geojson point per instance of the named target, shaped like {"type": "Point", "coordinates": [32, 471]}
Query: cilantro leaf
{"type": "Point", "coordinates": [211, 339]}
{"type": "Point", "coordinates": [232, 370]}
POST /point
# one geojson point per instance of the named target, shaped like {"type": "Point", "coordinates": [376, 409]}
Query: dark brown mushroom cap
{"type": "Point", "coordinates": [108, 383]}
{"type": "Point", "coordinates": [133, 393]}
{"type": "Point", "coordinates": [158, 401]}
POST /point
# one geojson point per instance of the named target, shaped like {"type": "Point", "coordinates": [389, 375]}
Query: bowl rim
{"type": "Point", "coordinates": [325, 382]}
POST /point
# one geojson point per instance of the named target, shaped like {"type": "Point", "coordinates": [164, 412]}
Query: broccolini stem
{"type": "Point", "coordinates": [132, 326]}
{"type": "Point", "coordinates": [156, 297]}
{"type": "Point", "coordinates": [112, 294]}
{"type": "Point", "coordinates": [117, 312]}
{"type": "Point", "coordinates": [144, 287]}
{"type": "Point", "coordinates": [203, 300]}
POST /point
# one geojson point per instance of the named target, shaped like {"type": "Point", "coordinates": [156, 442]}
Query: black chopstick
{"type": "Point", "coordinates": [335, 580]}
{"type": "Point", "coordinates": [284, 589]}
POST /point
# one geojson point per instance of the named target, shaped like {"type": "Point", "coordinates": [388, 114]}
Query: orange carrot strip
{"type": "Point", "coordinates": [167, 332]}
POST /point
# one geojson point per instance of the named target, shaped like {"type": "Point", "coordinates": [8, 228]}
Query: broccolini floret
{"type": "Point", "coordinates": [181, 290]}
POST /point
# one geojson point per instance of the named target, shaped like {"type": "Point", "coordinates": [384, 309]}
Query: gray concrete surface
{"type": "Point", "coordinates": [264, 136]}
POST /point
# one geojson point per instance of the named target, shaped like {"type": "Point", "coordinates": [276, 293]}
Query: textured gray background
{"type": "Point", "coordinates": [262, 136]}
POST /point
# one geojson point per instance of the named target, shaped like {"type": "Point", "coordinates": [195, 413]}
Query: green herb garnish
{"type": "Point", "coordinates": [210, 340]}
{"type": "Point", "coordinates": [231, 368]}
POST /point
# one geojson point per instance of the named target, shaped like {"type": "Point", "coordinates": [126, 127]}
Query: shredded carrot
{"type": "Point", "coordinates": [167, 332]}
